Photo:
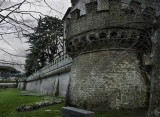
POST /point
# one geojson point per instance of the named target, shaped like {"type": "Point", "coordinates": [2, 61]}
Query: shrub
{"type": "Point", "coordinates": [47, 101]}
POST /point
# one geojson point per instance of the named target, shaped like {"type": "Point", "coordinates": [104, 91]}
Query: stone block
{"type": "Point", "coordinates": [75, 112]}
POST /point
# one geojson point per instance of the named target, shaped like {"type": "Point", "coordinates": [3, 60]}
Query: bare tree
{"type": "Point", "coordinates": [17, 20]}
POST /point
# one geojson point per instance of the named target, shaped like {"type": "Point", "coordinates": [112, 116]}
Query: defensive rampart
{"type": "Point", "coordinates": [50, 80]}
{"type": "Point", "coordinates": [108, 41]}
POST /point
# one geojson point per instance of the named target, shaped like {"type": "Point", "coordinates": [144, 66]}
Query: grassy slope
{"type": "Point", "coordinates": [9, 100]}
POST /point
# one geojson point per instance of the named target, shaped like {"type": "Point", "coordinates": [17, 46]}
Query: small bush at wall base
{"type": "Point", "coordinates": [48, 101]}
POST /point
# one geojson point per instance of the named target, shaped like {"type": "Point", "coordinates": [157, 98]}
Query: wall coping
{"type": "Point", "coordinates": [61, 64]}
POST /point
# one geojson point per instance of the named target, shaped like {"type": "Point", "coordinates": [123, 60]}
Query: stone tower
{"type": "Point", "coordinates": [110, 45]}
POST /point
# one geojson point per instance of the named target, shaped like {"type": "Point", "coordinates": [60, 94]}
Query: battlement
{"type": "Point", "coordinates": [91, 7]}
{"type": "Point", "coordinates": [85, 29]}
{"type": "Point", "coordinates": [132, 16]}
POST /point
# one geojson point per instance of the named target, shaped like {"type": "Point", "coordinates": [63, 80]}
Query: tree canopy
{"type": "Point", "coordinates": [8, 71]}
{"type": "Point", "coordinates": [45, 43]}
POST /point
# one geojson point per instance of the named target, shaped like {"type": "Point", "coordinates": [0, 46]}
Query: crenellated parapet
{"type": "Point", "coordinates": [93, 23]}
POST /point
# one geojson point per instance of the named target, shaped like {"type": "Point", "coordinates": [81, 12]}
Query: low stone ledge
{"type": "Point", "coordinates": [75, 112]}
{"type": "Point", "coordinates": [7, 85]}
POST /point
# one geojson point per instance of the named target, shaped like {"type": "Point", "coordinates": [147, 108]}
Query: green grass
{"type": "Point", "coordinates": [9, 100]}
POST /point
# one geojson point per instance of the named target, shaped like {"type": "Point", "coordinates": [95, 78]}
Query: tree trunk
{"type": "Point", "coordinates": [154, 104]}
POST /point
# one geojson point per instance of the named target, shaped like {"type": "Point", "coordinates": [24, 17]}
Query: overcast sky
{"type": "Point", "coordinates": [15, 43]}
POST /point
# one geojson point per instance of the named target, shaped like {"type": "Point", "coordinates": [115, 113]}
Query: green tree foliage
{"type": "Point", "coordinates": [7, 71]}
{"type": "Point", "coordinates": [45, 43]}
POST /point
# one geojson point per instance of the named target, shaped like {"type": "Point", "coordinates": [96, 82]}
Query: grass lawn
{"type": "Point", "coordinates": [9, 100]}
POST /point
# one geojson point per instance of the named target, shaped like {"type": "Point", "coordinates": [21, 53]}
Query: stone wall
{"type": "Point", "coordinates": [119, 26]}
{"type": "Point", "coordinates": [105, 80]}
{"type": "Point", "coordinates": [50, 80]}
{"type": "Point", "coordinates": [22, 84]}
{"type": "Point", "coordinates": [53, 85]}
{"type": "Point", "coordinates": [109, 45]}
{"type": "Point", "coordinates": [116, 15]}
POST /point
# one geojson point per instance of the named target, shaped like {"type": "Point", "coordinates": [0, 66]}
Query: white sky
{"type": "Point", "coordinates": [14, 43]}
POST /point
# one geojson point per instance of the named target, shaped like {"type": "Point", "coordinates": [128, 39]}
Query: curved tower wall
{"type": "Point", "coordinates": [107, 80]}
{"type": "Point", "coordinates": [108, 43]}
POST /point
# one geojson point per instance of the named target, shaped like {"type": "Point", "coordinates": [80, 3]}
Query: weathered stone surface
{"type": "Point", "coordinates": [108, 46]}
{"type": "Point", "coordinates": [22, 84]}
{"type": "Point", "coordinates": [50, 80]}
{"type": "Point", "coordinates": [123, 26]}
{"type": "Point", "coordinates": [51, 85]}
{"type": "Point", "coordinates": [75, 112]}
{"type": "Point", "coordinates": [107, 80]}
{"type": "Point", "coordinates": [48, 86]}
{"type": "Point", "coordinates": [154, 105]}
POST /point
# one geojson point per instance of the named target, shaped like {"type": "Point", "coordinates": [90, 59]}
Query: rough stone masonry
{"type": "Point", "coordinates": [110, 45]}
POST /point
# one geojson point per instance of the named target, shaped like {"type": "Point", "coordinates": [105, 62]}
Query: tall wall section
{"type": "Point", "coordinates": [50, 80]}
{"type": "Point", "coordinates": [21, 84]}
{"type": "Point", "coordinates": [53, 85]}
{"type": "Point", "coordinates": [110, 46]}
